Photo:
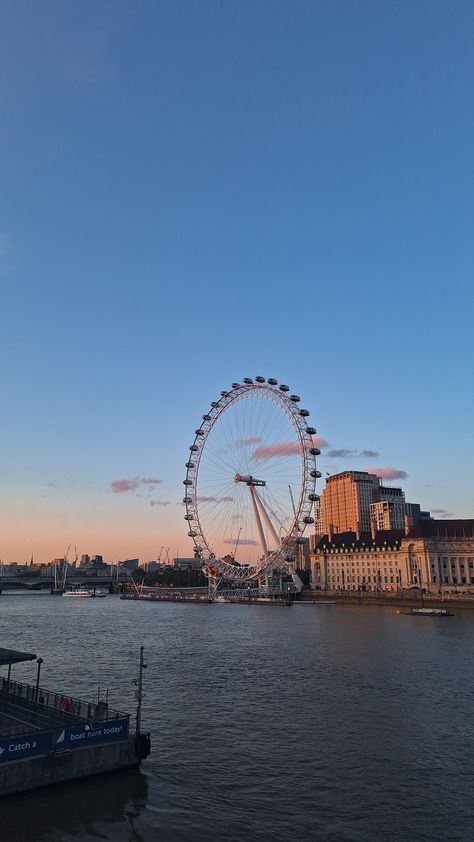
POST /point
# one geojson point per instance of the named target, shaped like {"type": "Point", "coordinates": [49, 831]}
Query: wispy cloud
{"type": "Point", "coordinates": [160, 502]}
{"type": "Point", "coordinates": [340, 453]}
{"type": "Point", "coordinates": [284, 448]}
{"type": "Point", "coordinates": [52, 484]}
{"type": "Point", "coordinates": [346, 453]}
{"type": "Point", "coordinates": [387, 473]}
{"type": "Point", "coordinates": [244, 542]}
{"type": "Point", "coordinates": [121, 486]}
{"type": "Point", "coordinates": [442, 513]}
{"type": "Point", "coordinates": [245, 442]}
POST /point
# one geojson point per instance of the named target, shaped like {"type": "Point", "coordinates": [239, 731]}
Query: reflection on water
{"type": "Point", "coordinates": [87, 809]}
{"type": "Point", "coordinates": [326, 722]}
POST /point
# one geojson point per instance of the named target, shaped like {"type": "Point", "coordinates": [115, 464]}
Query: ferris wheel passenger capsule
{"type": "Point", "coordinates": [187, 500]}
{"type": "Point", "coordinates": [189, 464]}
{"type": "Point", "coordinates": [311, 431]}
{"type": "Point", "coordinates": [313, 497]}
{"type": "Point", "coordinates": [193, 448]}
{"type": "Point", "coordinates": [188, 517]}
{"type": "Point", "coordinates": [224, 393]}
{"type": "Point", "coordinates": [304, 413]}
{"type": "Point", "coordinates": [272, 381]}
{"type": "Point", "coordinates": [235, 385]}
{"type": "Point", "coordinates": [295, 398]}
{"type": "Point", "coordinates": [308, 519]}
{"type": "Point", "coordinates": [316, 474]}
{"type": "Point", "coordinates": [192, 534]}
{"type": "Point", "coordinates": [199, 432]}
{"type": "Point", "coordinates": [248, 381]}
{"type": "Point", "coordinates": [259, 379]}
{"type": "Point", "coordinates": [315, 451]}
{"type": "Point", "coordinates": [187, 482]}
{"type": "Point", "coordinates": [206, 417]}
{"type": "Point", "coordinates": [284, 388]}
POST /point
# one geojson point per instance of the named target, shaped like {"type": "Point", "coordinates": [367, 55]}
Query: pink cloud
{"type": "Point", "coordinates": [284, 448]}
{"type": "Point", "coordinates": [387, 473]}
{"type": "Point", "coordinates": [120, 486]}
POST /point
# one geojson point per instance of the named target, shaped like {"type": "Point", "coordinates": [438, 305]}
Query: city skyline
{"type": "Point", "coordinates": [303, 212]}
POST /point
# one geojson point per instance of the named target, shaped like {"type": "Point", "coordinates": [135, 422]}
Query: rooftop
{"type": "Point", "coordinates": [461, 528]}
{"type": "Point", "coordinates": [423, 528]}
{"type": "Point", "coordinates": [11, 656]}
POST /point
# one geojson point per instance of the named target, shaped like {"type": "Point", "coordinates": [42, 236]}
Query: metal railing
{"type": "Point", "coordinates": [71, 710]}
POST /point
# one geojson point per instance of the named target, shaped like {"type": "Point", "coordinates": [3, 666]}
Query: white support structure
{"type": "Point", "coordinates": [267, 520]}
{"type": "Point", "coordinates": [258, 522]}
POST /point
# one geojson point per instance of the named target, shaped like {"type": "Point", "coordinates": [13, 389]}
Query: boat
{"type": "Point", "coordinates": [80, 593]}
{"type": "Point", "coordinates": [430, 612]}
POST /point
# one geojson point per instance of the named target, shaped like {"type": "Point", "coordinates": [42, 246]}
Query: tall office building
{"type": "Point", "coordinates": [356, 501]}
{"type": "Point", "coordinates": [345, 501]}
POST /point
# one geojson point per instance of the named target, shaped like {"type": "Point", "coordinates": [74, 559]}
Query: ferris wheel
{"type": "Point", "coordinates": [250, 481]}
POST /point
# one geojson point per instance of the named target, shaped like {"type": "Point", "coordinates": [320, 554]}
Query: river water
{"type": "Point", "coordinates": [323, 722]}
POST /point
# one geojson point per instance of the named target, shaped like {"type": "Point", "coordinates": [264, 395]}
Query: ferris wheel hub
{"type": "Point", "coordinates": [249, 480]}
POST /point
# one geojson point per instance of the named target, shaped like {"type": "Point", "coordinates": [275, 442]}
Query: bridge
{"type": "Point", "coordinates": [35, 581]}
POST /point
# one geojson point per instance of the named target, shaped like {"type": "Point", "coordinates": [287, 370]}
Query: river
{"type": "Point", "coordinates": [325, 722]}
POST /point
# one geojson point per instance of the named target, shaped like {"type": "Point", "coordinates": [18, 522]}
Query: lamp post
{"type": "Point", "coordinates": [39, 661]}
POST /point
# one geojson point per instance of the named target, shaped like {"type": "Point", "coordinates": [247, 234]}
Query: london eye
{"type": "Point", "coordinates": [250, 482]}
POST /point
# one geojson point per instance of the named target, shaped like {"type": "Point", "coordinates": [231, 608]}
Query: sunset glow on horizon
{"type": "Point", "coordinates": [194, 195]}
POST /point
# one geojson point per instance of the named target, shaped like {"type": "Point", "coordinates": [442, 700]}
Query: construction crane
{"type": "Point", "coordinates": [292, 501]}
{"type": "Point", "coordinates": [236, 544]}
{"type": "Point", "coordinates": [159, 554]}
{"type": "Point", "coordinates": [65, 569]}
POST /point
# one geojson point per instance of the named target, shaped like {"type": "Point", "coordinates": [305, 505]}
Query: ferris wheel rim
{"type": "Point", "coordinates": [298, 418]}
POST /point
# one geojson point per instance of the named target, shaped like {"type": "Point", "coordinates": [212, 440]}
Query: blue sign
{"type": "Point", "coordinates": [18, 747]}
{"type": "Point", "coordinates": [79, 736]}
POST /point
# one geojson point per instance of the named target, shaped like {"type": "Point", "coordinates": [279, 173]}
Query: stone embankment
{"type": "Point", "coordinates": [408, 599]}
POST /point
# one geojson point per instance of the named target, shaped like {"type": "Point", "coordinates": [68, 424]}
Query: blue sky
{"type": "Point", "coordinates": [193, 192]}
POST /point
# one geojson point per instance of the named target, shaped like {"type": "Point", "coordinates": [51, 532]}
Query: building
{"type": "Point", "coordinates": [345, 501]}
{"type": "Point", "coordinates": [386, 514]}
{"type": "Point", "coordinates": [195, 563]}
{"type": "Point", "coordinates": [433, 555]}
{"type": "Point", "coordinates": [130, 565]}
{"type": "Point", "coordinates": [356, 501]}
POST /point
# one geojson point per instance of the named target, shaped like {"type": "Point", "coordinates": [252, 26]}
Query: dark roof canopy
{"type": "Point", "coordinates": [11, 656]}
{"type": "Point", "coordinates": [460, 528]}
{"type": "Point", "coordinates": [423, 528]}
{"type": "Point", "coordinates": [350, 540]}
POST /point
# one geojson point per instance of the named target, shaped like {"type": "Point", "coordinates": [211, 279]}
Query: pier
{"type": "Point", "coordinates": [47, 737]}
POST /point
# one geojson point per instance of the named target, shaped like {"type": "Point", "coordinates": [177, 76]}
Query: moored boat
{"type": "Point", "coordinates": [430, 612]}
